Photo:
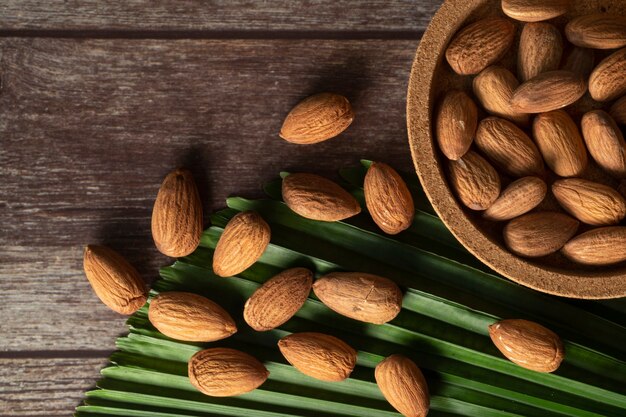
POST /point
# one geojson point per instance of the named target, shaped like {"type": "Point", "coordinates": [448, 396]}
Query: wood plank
{"type": "Point", "coordinates": [219, 15]}
{"type": "Point", "coordinates": [90, 127]}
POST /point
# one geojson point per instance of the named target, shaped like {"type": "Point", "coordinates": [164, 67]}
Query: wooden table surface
{"type": "Point", "coordinates": [100, 99]}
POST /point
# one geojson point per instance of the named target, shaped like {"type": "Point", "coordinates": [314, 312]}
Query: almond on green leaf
{"type": "Point", "coordinates": [456, 121]}
{"type": "Point", "coordinates": [548, 91]}
{"type": "Point", "coordinates": [605, 142]}
{"type": "Point", "coordinates": [590, 202]}
{"type": "Point", "coordinates": [518, 198]}
{"type": "Point", "coordinates": [403, 385]}
{"type": "Point", "coordinates": [598, 31]}
{"type": "Point", "coordinates": [494, 88]}
{"type": "Point", "coordinates": [534, 10]}
{"type": "Point", "coordinates": [599, 246]}
{"type": "Point", "coordinates": [539, 234]}
{"type": "Point", "coordinates": [540, 50]}
{"type": "Point", "coordinates": [608, 79]}
{"type": "Point", "coordinates": [475, 181]}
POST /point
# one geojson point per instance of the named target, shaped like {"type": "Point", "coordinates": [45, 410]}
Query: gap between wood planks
{"type": "Point", "coordinates": [56, 354]}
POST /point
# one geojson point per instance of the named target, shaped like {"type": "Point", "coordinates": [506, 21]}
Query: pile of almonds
{"type": "Point", "coordinates": [511, 141]}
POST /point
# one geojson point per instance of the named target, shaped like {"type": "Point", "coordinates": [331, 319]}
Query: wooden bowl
{"type": "Point", "coordinates": [430, 77]}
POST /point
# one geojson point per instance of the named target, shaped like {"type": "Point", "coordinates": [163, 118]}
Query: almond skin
{"type": "Point", "coordinates": [608, 79]}
{"type": "Point", "coordinates": [225, 372]}
{"type": "Point", "coordinates": [598, 31]}
{"type": "Point", "coordinates": [475, 181]}
{"type": "Point", "coordinates": [177, 215]}
{"type": "Point", "coordinates": [494, 88]}
{"type": "Point", "coordinates": [518, 198]}
{"type": "Point", "coordinates": [190, 317]}
{"type": "Point", "coordinates": [116, 282]}
{"type": "Point", "coordinates": [560, 143]}
{"type": "Point", "coordinates": [388, 199]}
{"type": "Point", "coordinates": [317, 118]}
{"type": "Point", "coordinates": [539, 234]}
{"type": "Point", "coordinates": [534, 10]}
{"type": "Point", "coordinates": [242, 243]}
{"type": "Point", "coordinates": [318, 198]}
{"type": "Point", "coordinates": [580, 61]}
{"type": "Point", "coordinates": [403, 385]}
{"type": "Point", "coordinates": [600, 246]}
{"type": "Point", "coordinates": [480, 44]}
{"type": "Point", "coordinates": [528, 344]}
{"type": "Point", "coordinates": [456, 121]}
{"type": "Point", "coordinates": [360, 296]}
{"type": "Point", "coordinates": [618, 111]}
{"type": "Point", "coordinates": [319, 355]}
{"type": "Point", "coordinates": [540, 50]}
{"type": "Point", "coordinates": [590, 202]}
{"type": "Point", "coordinates": [548, 91]}
{"type": "Point", "coordinates": [508, 147]}
{"type": "Point", "coordinates": [605, 142]}
{"type": "Point", "coordinates": [278, 299]}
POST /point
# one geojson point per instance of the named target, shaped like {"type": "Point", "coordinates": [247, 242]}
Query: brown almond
{"type": "Point", "coordinates": [534, 10]}
{"type": "Point", "coordinates": [590, 202]}
{"type": "Point", "coordinates": [560, 143]}
{"type": "Point", "coordinates": [177, 215]}
{"type": "Point", "coordinates": [494, 88]}
{"type": "Point", "coordinates": [580, 61]}
{"type": "Point", "coordinates": [317, 118]}
{"type": "Point", "coordinates": [608, 79]}
{"type": "Point", "coordinates": [278, 299]}
{"type": "Point", "coordinates": [548, 91]}
{"type": "Point", "coordinates": [475, 181]}
{"type": "Point", "coordinates": [388, 199]}
{"type": "Point", "coordinates": [319, 355]}
{"type": "Point", "coordinates": [539, 234]}
{"type": "Point", "coordinates": [242, 243]}
{"type": "Point", "coordinates": [600, 246]}
{"type": "Point", "coordinates": [605, 142]}
{"type": "Point", "coordinates": [540, 50]}
{"type": "Point", "coordinates": [518, 198]}
{"type": "Point", "coordinates": [528, 344]}
{"type": "Point", "coordinates": [116, 282]}
{"type": "Point", "coordinates": [598, 31]}
{"type": "Point", "coordinates": [508, 147]}
{"type": "Point", "coordinates": [318, 198]}
{"type": "Point", "coordinates": [456, 121]}
{"type": "Point", "coordinates": [360, 296]}
{"type": "Point", "coordinates": [618, 111]}
{"type": "Point", "coordinates": [480, 44]}
{"type": "Point", "coordinates": [403, 385]}
{"type": "Point", "coordinates": [190, 317]}
{"type": "Point", "coordinates": [225, 372]}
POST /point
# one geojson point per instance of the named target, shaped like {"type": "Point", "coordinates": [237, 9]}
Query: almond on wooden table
{"type": "Point", "coordinates": [494, 88]}
{"type": "Point", "coordinates": [548, 91]}
{"type": "Point", "coordinates": [115, 281]}
{"type": "Point", "coordinates": [540, 50]}
{"type": "Point", "coordinates": [403, 385]}
{"type": "Point", "coordinates": [605, 142]}
{"type": "Point", "coordinates": [599, 31]}
{"type": "Point", "coordinates": [317, 118]}
{"type": "Point", "coordinates": [618, 111]}
{"type": "Point", "coordinates": [456, 121]}
{"type": "Point", "coordinates": [608, 79]}
{"type": "Point", "coordinates": [518, 198]}
{"type": "Point", "coordinates": [539, 234]}
{"type": "Point", "coordinates": [580, 61]}
{"type": "Point", "coordinates": [534, 10]}
{"type": "Point", "coordinates": [590, 202]}
{"type": "Point", "coordinates": [190, 317]}
{"type": "Point", "coordinates": [600, 246]}
{"type": "Point", "coordinates": [480, 44]}
{"type": "Point", "coordinates": [475, 181]}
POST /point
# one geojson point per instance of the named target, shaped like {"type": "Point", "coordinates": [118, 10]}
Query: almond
{"type": "Point", "coordinates": [608, 79]}
{"type": "Point", "coordinates": [480, 44]}
{"type": "Point", "coordinates": [190, 317]}
{"type": "Point", "coordinates": [456, 121]}
{"type": "Point", "coordinates": [225, 372]}
{"type": "Point", "coordinates": [317, 118]}
{"type": "Point", "coordinates": [494, 88]}
{"type": "Point", "coordinates": [540, 50]}
{"type": "Point", "coordinates": [618, 111]}
{"type": "Point", "coordinates": [548, 91]}
{"type": "Point", "coordinates": [605, 142]}
{"type": "Point", "coordinates": [560, 143]}
{"type": "Point", "coordinates": [177, 215]}
{"type": "Point", "coordinates": [534, 10]}
{"type": "Point", "coordinates": [599, 31]}
{"type": "Point", "coordinates": [600, 246]}
{"type": "Point", "coordinates": [580, 61]}
{"type": "Point", "coordinates": [475, 181]}
{"type": "Point", "coordinates": [360, 296]}
{"type": "Point", "coordinates": [528, 344]}
{"type": "Point", "coordinates": [539, 234]}
{"type": "Point", "coordinates": [388, 199]}
{"type": "Point", "coordinates": [278, 299]}
{"type": "Point", "coordinates": [518, 198]}
{"type": "Point", "coordinates": [242, 243]}
{"type": "Point", "coordinates": [508, 147]}
{"type": "Point", "coordinates": [319, 355]}
{"type": "Point", "coordinates": [318, 198]}
{"type": "Point", "coordinates": [590, 202]}
{"type": "Point", "coordinates": [116, 282]}
{"type": "Point", "coordinates": [403, 385]}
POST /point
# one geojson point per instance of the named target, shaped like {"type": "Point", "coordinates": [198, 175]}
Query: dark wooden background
{"type": "Point", "coordinates": [100, 99]}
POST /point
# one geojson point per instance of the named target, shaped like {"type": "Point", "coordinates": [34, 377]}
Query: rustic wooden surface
{"type": "Point", "coordinates": [98, 100]}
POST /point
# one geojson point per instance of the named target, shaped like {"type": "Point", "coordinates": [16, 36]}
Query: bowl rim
{"type": "Point", "coordinates": [574, 284]}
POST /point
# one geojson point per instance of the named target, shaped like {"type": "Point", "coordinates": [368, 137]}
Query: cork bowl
{"type": "Point", "coordinates": [430, 78]}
